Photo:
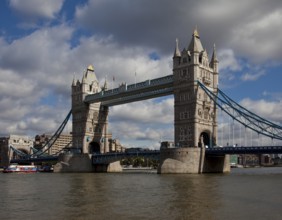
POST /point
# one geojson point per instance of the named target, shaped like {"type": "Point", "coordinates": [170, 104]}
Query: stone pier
{"type": "Point", "coordinates": [191, 161]}
{"type": "Point", "coordinates": [72, 163]}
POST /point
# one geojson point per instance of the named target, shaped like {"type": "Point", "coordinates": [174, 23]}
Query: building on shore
{"type": "Point", "coordinates": [115, 146]}
{"type": "Point", "coordinates": [63, 141]}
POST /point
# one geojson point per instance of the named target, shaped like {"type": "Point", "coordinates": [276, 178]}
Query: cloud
{"type": "Point", "coordinates": [270, 110]}
{"type": "Point", "coordinates": [228, 61]}
{"type": "Point", "coordinates": [34, 9]}
{"type": "Point", "coordinates": [37, 70]}
{"type": "Point", "coordinates": [146, 112]}
{"type": "Point", "coordinates": [258, 39]}
{"type": "Point", "coordinates": [252, 77]}
{"type": "Point", "coordinates": [119, 38]}
{"type": "Point", "coordinates": [136, 135]}
{"type": "Point", "coordinates": [113, 60]}
{"type": "Point", "coordinates": [31, 69]}
{"type": "Point", "coordinates": [39, 57]}
{"type": "Point", "coordinates": [275, 96]}
{"type": "Point", "coordinates": [144, 122]}
{"type": "Point", "coordinates": [251, 29]}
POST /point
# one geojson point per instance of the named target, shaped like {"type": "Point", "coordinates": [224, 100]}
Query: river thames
{"type": "Point", "coordinates": [253, 193]}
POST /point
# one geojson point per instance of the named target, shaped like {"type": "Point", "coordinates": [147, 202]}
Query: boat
{"type": "Point", "coordinates": [20, 169]}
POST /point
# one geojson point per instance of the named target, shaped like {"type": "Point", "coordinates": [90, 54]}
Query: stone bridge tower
{"type": "Point", "coordinates": [195, 117]}
{"type": "Point", "coordinates": [195, 114]}
{"type": "Point", "coordinates": [90, 121]}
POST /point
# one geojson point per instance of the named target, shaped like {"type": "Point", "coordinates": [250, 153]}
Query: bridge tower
{"type": "Point", "coordinates": [90, 121]}
{"type": "Point", "coordinates": [195, 116]}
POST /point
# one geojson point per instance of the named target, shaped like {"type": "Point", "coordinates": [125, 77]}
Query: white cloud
{"type": "Point", "coordinates": [148, 111]}
{"type": "Point", "coordinates": [259, 38]}
{"type": "Point", "coordinates": [270, 110]}
{"type": "Point", "coordinates": [228, 60]}
{"type": "Point", "coordinates": [31, 9]}
{"type": "Point", "coordinates": [144, 122]}
{"type": "Point", "coordinates": [252, 77]}
{"type": "Point", "coordinates": [32, 69]}
{"type": "Point", "coordinates": [111, 59]}
{"type": "Point", "coordinates": [39, 67]}
{"type": "Point", "coordinates": [250, 28]}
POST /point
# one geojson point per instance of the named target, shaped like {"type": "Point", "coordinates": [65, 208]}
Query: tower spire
{"type": "Point", "coordinates": [196, 33]}
{"type": "Point", "coordinates": [74, 80]}
{"type": "Point", "coordinates": [195, 43]}
{"type": "Point", "coordinates": [176, 51]}
{"type": "Point", "coordinates": [214, 60]}
{"type": "Point", "coordinates": [214, 56]}
{"type": "Point", "coordinates": [105, 88]}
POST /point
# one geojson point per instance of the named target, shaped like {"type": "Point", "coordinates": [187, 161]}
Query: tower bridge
{"type": "Point", "coordinates": [197, 98]}
{"type": "Point", "coordinates": [195, 117]}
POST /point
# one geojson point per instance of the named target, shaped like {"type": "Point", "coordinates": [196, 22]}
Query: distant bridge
{"type": "Point", "coordinates": [244, 150]}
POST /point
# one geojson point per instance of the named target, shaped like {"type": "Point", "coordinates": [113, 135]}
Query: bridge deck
{"type": "Point", "coordinates": [111, 157]}
{"type": "Point", "coordinates": [135, 92]}
{"type": "Point", "coordinates": [116, 156]}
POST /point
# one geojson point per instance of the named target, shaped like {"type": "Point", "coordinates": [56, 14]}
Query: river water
{"type": "Point", "coordinates": [253, 193]}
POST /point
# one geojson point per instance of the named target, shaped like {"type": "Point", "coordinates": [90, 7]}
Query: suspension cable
{"type": "Point", "coordinates": [222, 129]}
{"type": "Point", "coordinates": [53, 139]}
{"type": "Point", "coordinates": [242, 115]}
{"type": "Point", "coordinates": [245, 136]}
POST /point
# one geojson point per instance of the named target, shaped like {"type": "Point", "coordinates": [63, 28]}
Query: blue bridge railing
{"type": "Point", "coordinates": [112, 157]}
{"type": "Point", "coordinates": [116, 156]}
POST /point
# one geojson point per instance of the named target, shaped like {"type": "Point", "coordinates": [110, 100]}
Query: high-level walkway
{"type": "Point", "coordinates": [135, 92]}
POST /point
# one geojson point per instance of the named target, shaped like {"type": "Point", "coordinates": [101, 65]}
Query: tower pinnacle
{"type": "Point", "coordinates": [196, 33]}
{"type": "Point", "coordinates": [195, 43]}
{"type": "Point", "coordinates": [214, 56]}
{"type": "Point", "coordinates": [214, 60]}
{"type": "Point", "coordinates": [90, 68]}
{"type": "Point", "coordinates": [176, 51]}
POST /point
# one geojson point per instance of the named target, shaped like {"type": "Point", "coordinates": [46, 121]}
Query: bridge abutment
{"type": "Point", "coordinates": [68, 163]}
{"type": "Point", "coordinates": [191, 161]}
{"type": "Point", "coordinates": [72, 163]}
{"type": "Point", "coordinates": [181, 160]}
{"type": "Point", "coordinates": [114, 167]}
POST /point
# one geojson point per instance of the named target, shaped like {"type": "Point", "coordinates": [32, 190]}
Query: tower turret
{"type": "Point", "coordinates": [214, 60]}
{"type": "Point", "coordinates": [177, 55]}
{"type": "Point", "coordinates": [195, 47]}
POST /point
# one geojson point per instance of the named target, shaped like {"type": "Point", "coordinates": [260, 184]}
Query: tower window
{"type": "Point", "coordinates": [184, 72]}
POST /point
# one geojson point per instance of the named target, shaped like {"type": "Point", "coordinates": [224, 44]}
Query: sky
{"type": "Point", "coordinates": [44, 44]}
